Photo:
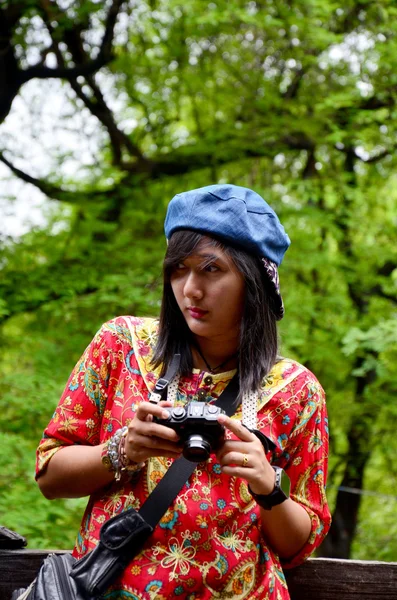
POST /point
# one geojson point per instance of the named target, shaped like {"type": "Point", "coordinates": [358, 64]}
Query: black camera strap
{"type": "Point", "coordinates": [179, 472]}
{"type": "Point", "coordinates": [161, 387]}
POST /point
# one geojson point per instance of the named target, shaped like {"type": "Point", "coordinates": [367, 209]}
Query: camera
{"type": "Point", "coordinates": [197, 426]}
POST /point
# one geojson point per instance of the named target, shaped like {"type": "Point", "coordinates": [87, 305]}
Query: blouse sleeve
{"type": "Point", "coordinates": [306, 462]}
{"type": "Point", "coordinates": [77, 418]}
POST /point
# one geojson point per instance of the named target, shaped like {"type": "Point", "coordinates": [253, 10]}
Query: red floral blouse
{"type": "Point", "coordinates": [209, 544]}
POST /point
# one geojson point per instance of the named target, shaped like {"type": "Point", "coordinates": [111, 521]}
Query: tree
{"type": "Point", "coordinates": [296, 99]}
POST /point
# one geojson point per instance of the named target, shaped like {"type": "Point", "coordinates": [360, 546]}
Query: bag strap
{"type": "Point", "coordinates": [179, 472]}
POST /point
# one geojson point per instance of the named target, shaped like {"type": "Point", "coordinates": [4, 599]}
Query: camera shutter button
{"type": "Point", "coordinates": [211, 409]}
{"type": "Point", "coordinates": [178, 412]}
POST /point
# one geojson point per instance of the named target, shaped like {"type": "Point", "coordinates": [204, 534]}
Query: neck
{"type": "Point", "coordinates": [215, 357]}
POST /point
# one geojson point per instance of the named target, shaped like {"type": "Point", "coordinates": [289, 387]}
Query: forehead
{"type": "Point", "coordinates": [209, 247]}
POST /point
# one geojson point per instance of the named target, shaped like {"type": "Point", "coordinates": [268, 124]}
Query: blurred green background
{"type": "Point", "coordinates": [107, 109]}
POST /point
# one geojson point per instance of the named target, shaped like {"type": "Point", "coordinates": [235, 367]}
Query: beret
{"type": "Point", "coordinates": [236, 214]}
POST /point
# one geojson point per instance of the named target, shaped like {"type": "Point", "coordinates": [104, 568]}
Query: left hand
{"type": "Point", "coordinates": [245, 457]}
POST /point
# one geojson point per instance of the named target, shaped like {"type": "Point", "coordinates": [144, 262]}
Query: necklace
{"type": "Point", "coordinates": [214, 369]}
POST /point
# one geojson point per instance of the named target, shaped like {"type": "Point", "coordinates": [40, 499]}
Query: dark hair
{"type": "Point", "coordinates": [258, 333]}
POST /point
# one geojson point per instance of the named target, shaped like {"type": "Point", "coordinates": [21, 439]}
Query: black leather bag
{"type": "Point", "coordinates": [63, 577]}
{"type": "Point", "coordinates": [53, 581]}
{"type": "Point", "coordinates": [121, 539]}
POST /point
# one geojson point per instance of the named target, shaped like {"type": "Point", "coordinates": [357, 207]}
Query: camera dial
{"type": "Point", "coordinates": [178, 413]}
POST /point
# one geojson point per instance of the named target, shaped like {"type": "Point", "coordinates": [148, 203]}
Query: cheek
{"type": "Point", "coordinates": [230, 300]}
{"type": "Point", "coordinates": [177, 290]}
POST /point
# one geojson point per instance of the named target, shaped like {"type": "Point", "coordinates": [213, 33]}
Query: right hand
{"type": "Point", "coordinates": [146, 439]}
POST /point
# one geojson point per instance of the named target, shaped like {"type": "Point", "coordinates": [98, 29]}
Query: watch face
{"type": "Point", "coordinates": [279, 494]}
{"type": "Point", "coordinates": [282, 481]}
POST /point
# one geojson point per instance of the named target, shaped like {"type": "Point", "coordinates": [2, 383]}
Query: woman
{"type": "Point", "coordinates": [235, 524]}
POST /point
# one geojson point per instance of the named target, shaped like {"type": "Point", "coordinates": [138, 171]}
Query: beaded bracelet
{"type": "Point", "coordinates": [125, 464]}
{"type": "Point", "coordinates": [114, 458]}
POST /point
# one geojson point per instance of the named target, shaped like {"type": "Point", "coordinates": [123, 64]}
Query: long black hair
{"type": "Point", "coordinates": [258, 346]}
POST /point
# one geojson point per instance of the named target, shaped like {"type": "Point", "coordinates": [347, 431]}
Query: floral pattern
{"type": "Point", "coordinates": [272, 273]}
{"type": "Point", "coordinates": [209, 544]}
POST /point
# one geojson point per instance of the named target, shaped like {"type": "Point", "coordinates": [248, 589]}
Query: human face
{"type": "Point", "coordinates": [210, 293]}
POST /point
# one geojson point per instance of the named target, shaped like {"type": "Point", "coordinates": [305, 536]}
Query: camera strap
{"type": "Point", "coordinates": [161, 387]}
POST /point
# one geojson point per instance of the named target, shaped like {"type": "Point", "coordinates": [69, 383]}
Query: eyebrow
{"type": "Point", "coordinates": [207, 256]}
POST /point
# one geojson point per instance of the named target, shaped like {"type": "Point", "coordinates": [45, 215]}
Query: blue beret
{"type": "Point", "coordinates": [236, 214]}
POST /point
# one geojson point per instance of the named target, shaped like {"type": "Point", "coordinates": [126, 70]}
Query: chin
{"type": "Point", "coordinates": [197, 327]}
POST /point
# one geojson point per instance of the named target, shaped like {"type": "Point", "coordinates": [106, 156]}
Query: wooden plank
{"type": "Point", "coordinates": [317, 579]}
{"type": "Point", "coordinates": [333, 579]}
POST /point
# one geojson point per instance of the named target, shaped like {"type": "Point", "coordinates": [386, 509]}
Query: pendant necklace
{"type": "Point", "coordinates": [214, 369]}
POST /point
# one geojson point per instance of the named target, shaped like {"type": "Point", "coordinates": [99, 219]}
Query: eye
{"type": "Point", "coordinates": [178, 268]}
{"type": "Point", "coordinates": [211, 268]}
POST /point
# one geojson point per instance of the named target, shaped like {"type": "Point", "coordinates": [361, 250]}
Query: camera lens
{"type": "Point", "coordinates": [196, 448]}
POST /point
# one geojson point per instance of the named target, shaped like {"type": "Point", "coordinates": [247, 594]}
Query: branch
{"type": "Point", "coordinates": [298, 141]}
{"type": "Point", "coordinates": [387, 269]}
{"type": "Point", "coordinates": [376, 157]}
{"type": "Point", "coordinates": [377, 291]}
{"type": "Point", "coordinates": [96, 105]}
{"type": "Point", "coordinates": [87, 68]}
{"type": "Point", "coordinates": [372, 159]}
{"type": "Point", "coordinates": [292, 90]}
{"type": "Point", "coordinates": [186, 160]}
{"type": "Point", "coordinates": [12, 77]}
{"type": "Point", "coordinates": [52, 191]}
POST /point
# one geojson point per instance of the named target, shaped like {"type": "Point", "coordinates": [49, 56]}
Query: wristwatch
{"type": "Point", "coordinates": [280, 492]}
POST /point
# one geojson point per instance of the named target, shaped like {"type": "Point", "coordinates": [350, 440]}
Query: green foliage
{"type": "Point", "coordinates": [297, 102]}
{"type": "Point", "coordinates": [45, 524]}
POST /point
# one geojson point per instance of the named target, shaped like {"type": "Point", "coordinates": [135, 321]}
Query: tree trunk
{"type": "Point", "coordinates": [345, 517]}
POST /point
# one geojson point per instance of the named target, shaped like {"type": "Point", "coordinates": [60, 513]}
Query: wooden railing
{"type": "Point", "coordinates": [317, 579]}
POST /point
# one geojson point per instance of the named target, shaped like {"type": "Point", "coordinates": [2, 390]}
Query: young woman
{"type": "Point", "coordinates": [245, 513]}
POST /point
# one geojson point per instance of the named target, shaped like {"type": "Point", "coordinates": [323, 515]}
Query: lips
{"type": "Point", "coordinates": [196, 313]}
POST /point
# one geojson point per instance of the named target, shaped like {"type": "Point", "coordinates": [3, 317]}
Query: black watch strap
{"type": "Point", "coordinates": [280, 492]}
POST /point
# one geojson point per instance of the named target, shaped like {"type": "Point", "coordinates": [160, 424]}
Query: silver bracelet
{"type": "Point", "coordinates": [114, 457]}
{"type": "Point", "coordinates": [113, 448]}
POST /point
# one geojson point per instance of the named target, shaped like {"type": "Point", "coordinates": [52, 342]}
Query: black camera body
{"type": "Point", "coordinates": [197, 426]}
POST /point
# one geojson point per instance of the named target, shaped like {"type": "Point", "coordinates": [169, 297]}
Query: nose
{"type": "Point", "coordinates": [192, 287]}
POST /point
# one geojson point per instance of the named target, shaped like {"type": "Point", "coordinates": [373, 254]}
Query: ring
{"type": "Point", "coordinates": [245, 460]}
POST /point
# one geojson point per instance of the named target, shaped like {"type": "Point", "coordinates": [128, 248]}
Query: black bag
{"type": "Point", "coordinates": [53, 581]}
{"type": "Point", "coordinates": [121, 538]}
{"type": "Point", "coordinates": [10, 540]}
{"type": "Point", "coordinates": [63, 577]}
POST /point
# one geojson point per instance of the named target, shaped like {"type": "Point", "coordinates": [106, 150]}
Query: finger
{"type": "Point", "coordinates": [146, 409]}
{"type": "Point", "coordinates": [237, 458]}
{"type": "Point", "coordinates": [151, 429]}
{"type": "Point", "coordinates": [237, 471]}
{"type": "Point", "coordinates": [231, 447]}
{"type": "Point", "coordinates": [143, 447]}
{"type": "Point", "coordinates": [144, 454]}
{"type": "Point", "coordinates": [237, 428]}
{"type": "Point", "coordinates": [143, 441]}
